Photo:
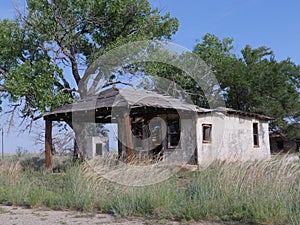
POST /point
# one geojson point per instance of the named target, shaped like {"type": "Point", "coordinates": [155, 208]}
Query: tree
{"type": "Point", "coordinates": [252, 81]}
{"type": "Point", "coordinates": [255, 81]}
{"type": "Point", "coordinates": [44, 53]}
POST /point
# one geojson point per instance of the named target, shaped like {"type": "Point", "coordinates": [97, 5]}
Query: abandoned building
{"type": "Point", "coordinates": [280, 144]}
{"type": "Point", "coordinates": [168, 129]}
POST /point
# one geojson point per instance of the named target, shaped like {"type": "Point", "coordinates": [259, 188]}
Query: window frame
{"type": "Point", "coordinates": [255, 134]}
{"type": "Point", "coordinates": [175, 134]}
{"type": "Point", "coordinates": [206, 132]}
{"type": "Point", "coordinates": [99, 149]}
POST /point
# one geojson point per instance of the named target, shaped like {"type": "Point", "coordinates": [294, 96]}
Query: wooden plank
{"type": "Point", "coordinates": [48, 144]}
{"type": "Point", "coordinates": [129, 142]}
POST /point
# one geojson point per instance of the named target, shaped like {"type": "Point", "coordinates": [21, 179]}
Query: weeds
{"type": "Point", "coordinates": [261, 192]}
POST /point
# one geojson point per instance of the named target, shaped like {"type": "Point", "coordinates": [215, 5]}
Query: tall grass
{"type": "Point", "coordinates": [260, 192]}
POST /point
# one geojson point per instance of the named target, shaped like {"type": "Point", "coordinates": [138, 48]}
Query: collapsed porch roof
{"type": "Point", "coordinates": [116, 98]}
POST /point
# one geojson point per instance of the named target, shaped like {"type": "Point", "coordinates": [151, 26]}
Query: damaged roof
{"type": "Point", "coordinates": [116, 97]}
{"type": "Point", "coordinates": [242, 113]}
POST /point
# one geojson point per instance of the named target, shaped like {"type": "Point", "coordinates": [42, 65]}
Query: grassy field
{"type": "Point", "coordinates": [260, 192]}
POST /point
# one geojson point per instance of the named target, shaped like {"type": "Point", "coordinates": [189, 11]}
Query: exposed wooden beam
{"type": "Point", "coordinates": [48, 144]}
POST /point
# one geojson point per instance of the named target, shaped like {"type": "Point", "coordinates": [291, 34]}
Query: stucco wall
{"type": "Point", "coordinates": [91, 146]}
{"type": "Point", "coordinates": [231, 138]}
{"type": "Point", "coordinates": [184, 152]}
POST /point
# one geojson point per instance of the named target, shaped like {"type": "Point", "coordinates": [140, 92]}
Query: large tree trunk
{"type": "Point", "coordinates": [83, 139]}
{"type": "Point", "coordinates": [80, 132]}
{"type": "Point", "coordinates": [77, 154]}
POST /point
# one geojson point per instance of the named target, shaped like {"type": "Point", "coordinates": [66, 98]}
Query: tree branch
{"type": "Point", "coordinates": [117, 82]}
{"type": "Point", "coordinates": [3, 72]}
{"type": "Point", "coordinates": [69, 90]}
{"type": "Point", "coordinates": [83, 31]}
{"type": "Point", "coordinates": [2, 89]}
{"type": "Point", "coordinates": [12, 112]}
{"type": "Point", "coordinates": [71, 52]}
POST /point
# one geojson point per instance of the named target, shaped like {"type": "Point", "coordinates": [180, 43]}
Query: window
{"type": "Point", "coordinates": [98, 149]}
{"type": "Point", "coordinates": [298, 144]}
{"type": "Point", "coordinates": [206, 133]}
{"type": "Point", "coordinates": [255, 135]}
{"type": "Point", "coordinates": [280, 144]}
{"type": "Point", "coordinates": [173, 134]}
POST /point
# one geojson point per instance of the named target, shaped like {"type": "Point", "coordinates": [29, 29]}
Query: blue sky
{"type": "Point", "coordinates": [270, 23]}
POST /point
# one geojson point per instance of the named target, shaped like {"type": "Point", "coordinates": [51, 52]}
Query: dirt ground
{"type": "Point", "coordinates": [13, 215]}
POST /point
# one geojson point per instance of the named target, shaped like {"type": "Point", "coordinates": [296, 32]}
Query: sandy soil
{"type": "Point", "coordinates": [12, 215]}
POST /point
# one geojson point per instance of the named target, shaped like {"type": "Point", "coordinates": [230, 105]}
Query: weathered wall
{"type": "Point", "coordinates": [231, 138]}
{"type": "Point", "coordinates": [186, 148]}
{"type": "Point", "coordinates": [91, 146]}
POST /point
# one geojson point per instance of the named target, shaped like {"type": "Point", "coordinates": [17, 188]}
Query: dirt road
{"type": "Point", "coordinates": [12, 215]}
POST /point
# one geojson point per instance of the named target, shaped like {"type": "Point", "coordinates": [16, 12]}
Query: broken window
{"type": "Point", "coordinates": [173, 133]}
{"type": "Point", "coordinates": [280, 144]}
{"type": "Point", "coordinates": [255, 135]}
{"type": "Point", "coordinates": [98, 149]}
{"type": "Point", "coordinates": [298, 144]}
{"type": "Point", "coordinates": [206, 133]}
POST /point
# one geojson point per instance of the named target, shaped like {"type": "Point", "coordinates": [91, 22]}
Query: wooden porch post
{"type": "Point", "coordinates": [128, 133]}
{"type": "Point", "coordinates": [48, 144]}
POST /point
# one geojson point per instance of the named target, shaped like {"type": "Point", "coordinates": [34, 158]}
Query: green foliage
{"type": "Point", "coordinates": [34, 82]}
{"type": "Point", "coordinates": [44, 52]}
{"type": "Point", "coordinates": [181, 75]}
{"type": "Point", "coordinates": [254, 82]}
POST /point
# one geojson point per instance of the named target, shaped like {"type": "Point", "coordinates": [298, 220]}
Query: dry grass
{"type": "Point", "coordinates": [259, 192]}
{"type": "Point", "coordinates": [136, 173]}
{"type": "Point", "coordinates": [10, 168]}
